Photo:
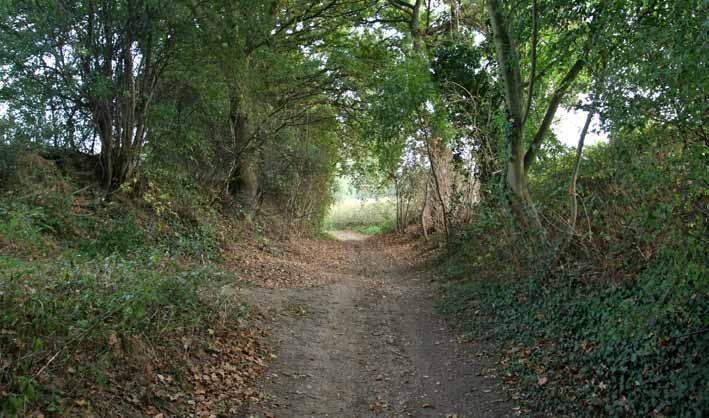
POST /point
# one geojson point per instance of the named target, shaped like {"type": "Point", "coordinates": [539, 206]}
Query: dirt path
{"type": "Point", "coordinates": [370, 344]}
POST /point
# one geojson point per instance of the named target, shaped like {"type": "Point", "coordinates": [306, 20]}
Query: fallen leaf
{"type": "Point", "coordinates": [376, 407]}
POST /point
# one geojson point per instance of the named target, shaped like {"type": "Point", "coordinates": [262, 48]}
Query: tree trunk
{"type": "Point", "coordinates": [519, 161]}
{"type": "Point", "coordinates": [424, 224]}
{"type": "Point", "coordinates": [120, 51]}
{"type": "Point", "coordinates": [574, 176]}
{"type": "Point", "coordinates": [243, 175]}
{"type": "Point", "coordinates": [432, 158]}
{"type": "Point", "coordinates": [519, 198]}
{"type": "Point", "coordinates": [249, 182]}
{"type": "Point", "coordinates": [414, 26]}
{"type": "Point", "coordinates": [399, 215]}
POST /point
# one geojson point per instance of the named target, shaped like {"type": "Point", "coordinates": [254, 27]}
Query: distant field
{"type": "Point", "coordinates": [368, 216]}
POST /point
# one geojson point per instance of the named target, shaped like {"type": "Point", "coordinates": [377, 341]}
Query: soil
{"type": "Point", "coordinates": [359, 336]}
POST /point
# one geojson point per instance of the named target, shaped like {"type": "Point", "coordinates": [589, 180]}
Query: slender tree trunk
{"type": "Point", "coordinates": [397, 192]}
{"type": "Point", "coordinates": [573, 213]}
{"type": "Point", "coordinates": [424, 224]}
{"type": "Point", "coordinates": [437, 181]}
{"type": "Point", "coordinates": [564, 241]}
{"type": "Point", "coordinates": [105, 133]}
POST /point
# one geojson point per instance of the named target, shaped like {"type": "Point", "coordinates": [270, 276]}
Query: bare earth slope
{"type": "Point", "coordinates": [369, 342]}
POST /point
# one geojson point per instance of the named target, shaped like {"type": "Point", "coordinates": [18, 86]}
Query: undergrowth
{"type": "Point", "coordinates": [617, 323]}
{"type": "Point", "coordinates": [83, 279]}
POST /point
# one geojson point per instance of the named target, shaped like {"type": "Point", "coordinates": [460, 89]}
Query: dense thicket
{"type": "Point", "coordinates": [146, 122]}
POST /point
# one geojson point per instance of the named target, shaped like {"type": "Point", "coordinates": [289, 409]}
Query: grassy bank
{"type": "Point", "coordinates": [112, 307]}
{"type": "Point", "coordinates": [616, 323]}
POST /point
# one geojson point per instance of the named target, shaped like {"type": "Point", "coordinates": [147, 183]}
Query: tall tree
{"type": "Point", "coordinates": [521, 152]}
{"type": "Point", "coordinates": [264, 55]}
{"type": "Point", "coordinates": [103, 57]}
